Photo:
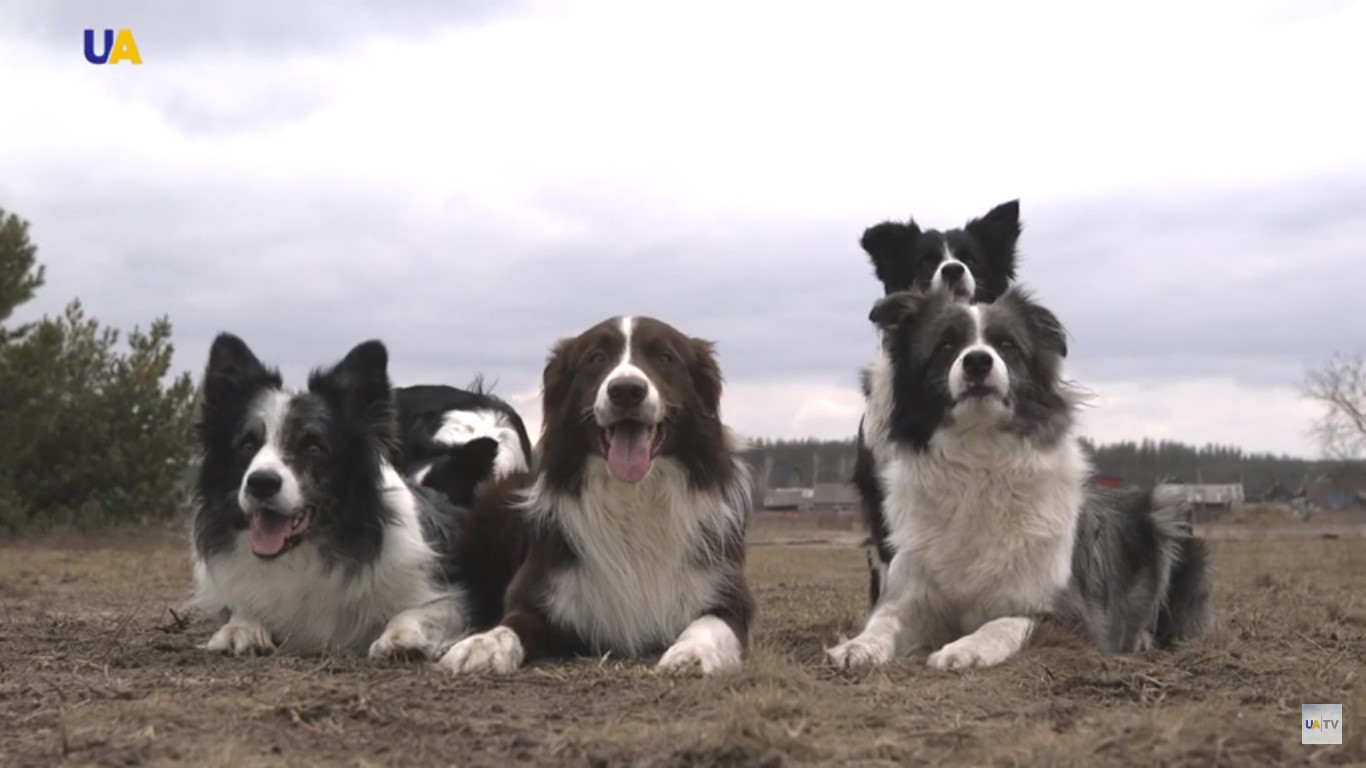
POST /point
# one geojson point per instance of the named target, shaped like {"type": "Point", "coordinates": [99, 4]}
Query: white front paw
{"type": "Point", "coordinates": [862, 651]}
{"type": "Point", "coordinates": [498, 651]}
{"type": "Point", "coordinates": [240, 637]}
{"type": "Point", "coordinates": [692, 654]}
{"type": "Point", "coordinates": [963, 653]}
{"type": "Point", "coordinates": [401, 641]}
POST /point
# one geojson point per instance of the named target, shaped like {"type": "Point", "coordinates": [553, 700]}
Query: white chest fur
{"type": "Point", "coordinates": [988, 520]}
{"type": "Point", "coordinates": [310, 605]}
{"type": "Point", "coordinates": [642, 573]}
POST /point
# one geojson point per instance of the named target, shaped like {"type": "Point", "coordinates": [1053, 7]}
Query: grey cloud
{"type": "Point", "coordinates": [1247, 284]}
{"type": "Point", "coordinates": [252, 26]}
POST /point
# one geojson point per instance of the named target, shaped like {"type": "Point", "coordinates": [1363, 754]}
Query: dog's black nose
{"type": "Point", "coordinates": [627, 392]}
{"type": "Point", "coordinates": [264, 483]}
{"type": "Point", "coordinates": [952, 272]}
{"type": "Point", "coordinates": [977, 364]}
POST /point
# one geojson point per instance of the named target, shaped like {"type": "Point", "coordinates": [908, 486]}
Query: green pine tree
{"type": "Point", "coordinates": [91, 431]}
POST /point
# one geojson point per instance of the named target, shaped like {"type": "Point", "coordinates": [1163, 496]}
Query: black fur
{"type": "Point", "coordinates": [905, 257]}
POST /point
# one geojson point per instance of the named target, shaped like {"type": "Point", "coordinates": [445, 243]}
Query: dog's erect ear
{"type": "Point", "coordinates": [997, 233]}
{"type": "Point", "coordinates": [234, 368]}
{"type": "Point", "coordinates": [359, 384]}
{"type": "Point", "coordinates": [1044, 326]}
{"type": "Point", "coordinates": [896, 309]}
{"type": "Point", "coordinates": [706, 375]}
{"type": "Point", "coordinates": [889, 246]}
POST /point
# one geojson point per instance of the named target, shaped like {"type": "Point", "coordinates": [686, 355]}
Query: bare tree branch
{"type": "Point", "coordinates": [1339, 385]}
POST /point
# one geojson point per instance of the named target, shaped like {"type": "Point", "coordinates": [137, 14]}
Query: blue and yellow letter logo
{"type": "Point", "coordinates": [116, 49]}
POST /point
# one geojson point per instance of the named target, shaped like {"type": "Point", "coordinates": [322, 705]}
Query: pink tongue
{"type": "Point", "coordinates": [628, 453]}
{"type": "Point", "coordinates": [269, 533]}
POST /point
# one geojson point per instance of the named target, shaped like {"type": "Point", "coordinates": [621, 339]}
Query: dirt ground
{"type": "Point", "coordinates": [96, 669]}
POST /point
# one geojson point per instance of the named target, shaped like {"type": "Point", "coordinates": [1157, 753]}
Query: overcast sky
{"type": "Point", "coordinates": [470, 181]}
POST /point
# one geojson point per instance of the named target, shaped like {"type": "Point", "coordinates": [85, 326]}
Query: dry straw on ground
{"type": "Point", "coordinates": [96, 669]}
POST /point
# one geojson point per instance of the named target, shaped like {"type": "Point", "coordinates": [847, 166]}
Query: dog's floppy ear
{"type": "Point", "coordinates": [555, 381]}
{"type": "Point", "coordinates": [706, 375]}
{"type": "Point", "coordinates": [359, 385]}
{"type": "Point", "coordinates": [1044, 326]}
{"type": "Point", "coordinates": [997, 233]}
{"type": "Point", "coordinates": [896, 309]}
{"type": "Point", "coordinates": [889, 245]}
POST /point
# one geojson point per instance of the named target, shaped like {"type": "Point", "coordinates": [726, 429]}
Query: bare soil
{"type": "Point", "coordinates": [98, 666]}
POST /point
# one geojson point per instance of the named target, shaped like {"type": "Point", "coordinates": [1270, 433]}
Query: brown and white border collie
{"type": "Point", "coordinates": [636, 514]}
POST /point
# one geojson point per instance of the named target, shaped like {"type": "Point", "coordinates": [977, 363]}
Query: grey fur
{"type": "Point", "coordinates": [1140, 578]}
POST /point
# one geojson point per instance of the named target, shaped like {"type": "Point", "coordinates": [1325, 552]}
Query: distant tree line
{"type": "Point", "coordinates": [802, 463]}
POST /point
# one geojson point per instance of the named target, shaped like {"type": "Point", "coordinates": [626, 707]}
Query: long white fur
{"type": "Point", "coordinates": [982, 525]}
{"type": "Point", "coordinates": [389, 606]}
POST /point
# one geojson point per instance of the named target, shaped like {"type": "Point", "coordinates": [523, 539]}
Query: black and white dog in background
{"type": "Point", "coordinates": [985, 492]}
{"type": "Point", "coordinates": [454, 440]}
{"type": "Point", "coordinates": [975, 263]}
{"type": "Point", "coordinates": [306, 535]}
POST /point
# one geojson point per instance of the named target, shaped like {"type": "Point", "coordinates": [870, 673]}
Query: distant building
{"type": "Point", "coordinates": [825, 497]}
{"type": "Point", "coordinates": [833, 497]}
{"type": "Point", "coordinates": [1209, 499]}
{"type": "Point", "coordinates": [1107, 481]}
{"type": "Point", "coordinates": [788, 499]}
{"type": "Point", "coordinates": [1341, 492]}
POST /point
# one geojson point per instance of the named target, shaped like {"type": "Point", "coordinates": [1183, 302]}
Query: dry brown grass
{"type": "Point", "coordinates": [96, 670]}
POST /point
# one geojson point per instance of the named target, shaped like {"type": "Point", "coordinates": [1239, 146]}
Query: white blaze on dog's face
{"type": "Point", "coordinates": [270, 494]}
{"type": "Point", "coordinates": [628, 409]}
{"type": "Point", "coordinates": [979, 376]}
{"type": "Point", "coordinates": [954, 275]}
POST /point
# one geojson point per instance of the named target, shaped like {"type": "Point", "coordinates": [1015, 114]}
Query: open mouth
{"type": "Point", "coordinates": [631, 447]}
{"type": "Point", "coordinates": [273, 534]}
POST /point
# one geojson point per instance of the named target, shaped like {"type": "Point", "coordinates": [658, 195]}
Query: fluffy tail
{"type": "Point", "coordinates": [1187, 606]}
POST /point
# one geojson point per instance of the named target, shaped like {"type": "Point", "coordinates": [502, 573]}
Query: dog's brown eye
{"type": "Point", "coordinates": [1006, 345]}
{"type": "Point", "coordinates": [946, 346]}
{"type": "Point", "coordinates": [248, 447]}
{"type": "Point", "coordinates": [597, 358]}
{"type": "Point", "coordinates": [665, 358]}
{"type": "Point", "coordinates": [315, 448]}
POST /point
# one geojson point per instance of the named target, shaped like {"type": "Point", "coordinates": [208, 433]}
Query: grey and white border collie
{"type": "Point", "coordinates": [455, 440]}
{"type": "Point", "coordinates": [637, 512]}
{"type": "Point", "coordinates": [976, 263]}
{"type": "Point", "coordinates": [985, 492]}
{"type": "Point", "coordinates": [306, 537]}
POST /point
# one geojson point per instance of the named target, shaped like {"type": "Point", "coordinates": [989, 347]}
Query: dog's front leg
{"type": "Point", "coordinates": [992, 643]}
{"type": "Point", "coordinates": [241, 636]}
{"type": "Point", "coordinates": [877, 644]}
{"type": "Point", "coordinates": [710, 645]}
{"type": "Point", "coordinates": [420, 631]}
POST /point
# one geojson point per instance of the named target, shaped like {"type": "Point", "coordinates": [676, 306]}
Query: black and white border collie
{"type": "Point", "coordinates": [976, 263]}
{"type": "Point", "coordinates": [454, 440]}
{"type": "Point", "coordinates": [637, 512]}
{"type": "Point", "coordinates": [305, 535]}
{"type": "Point", "coordinates": [984, 489]}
